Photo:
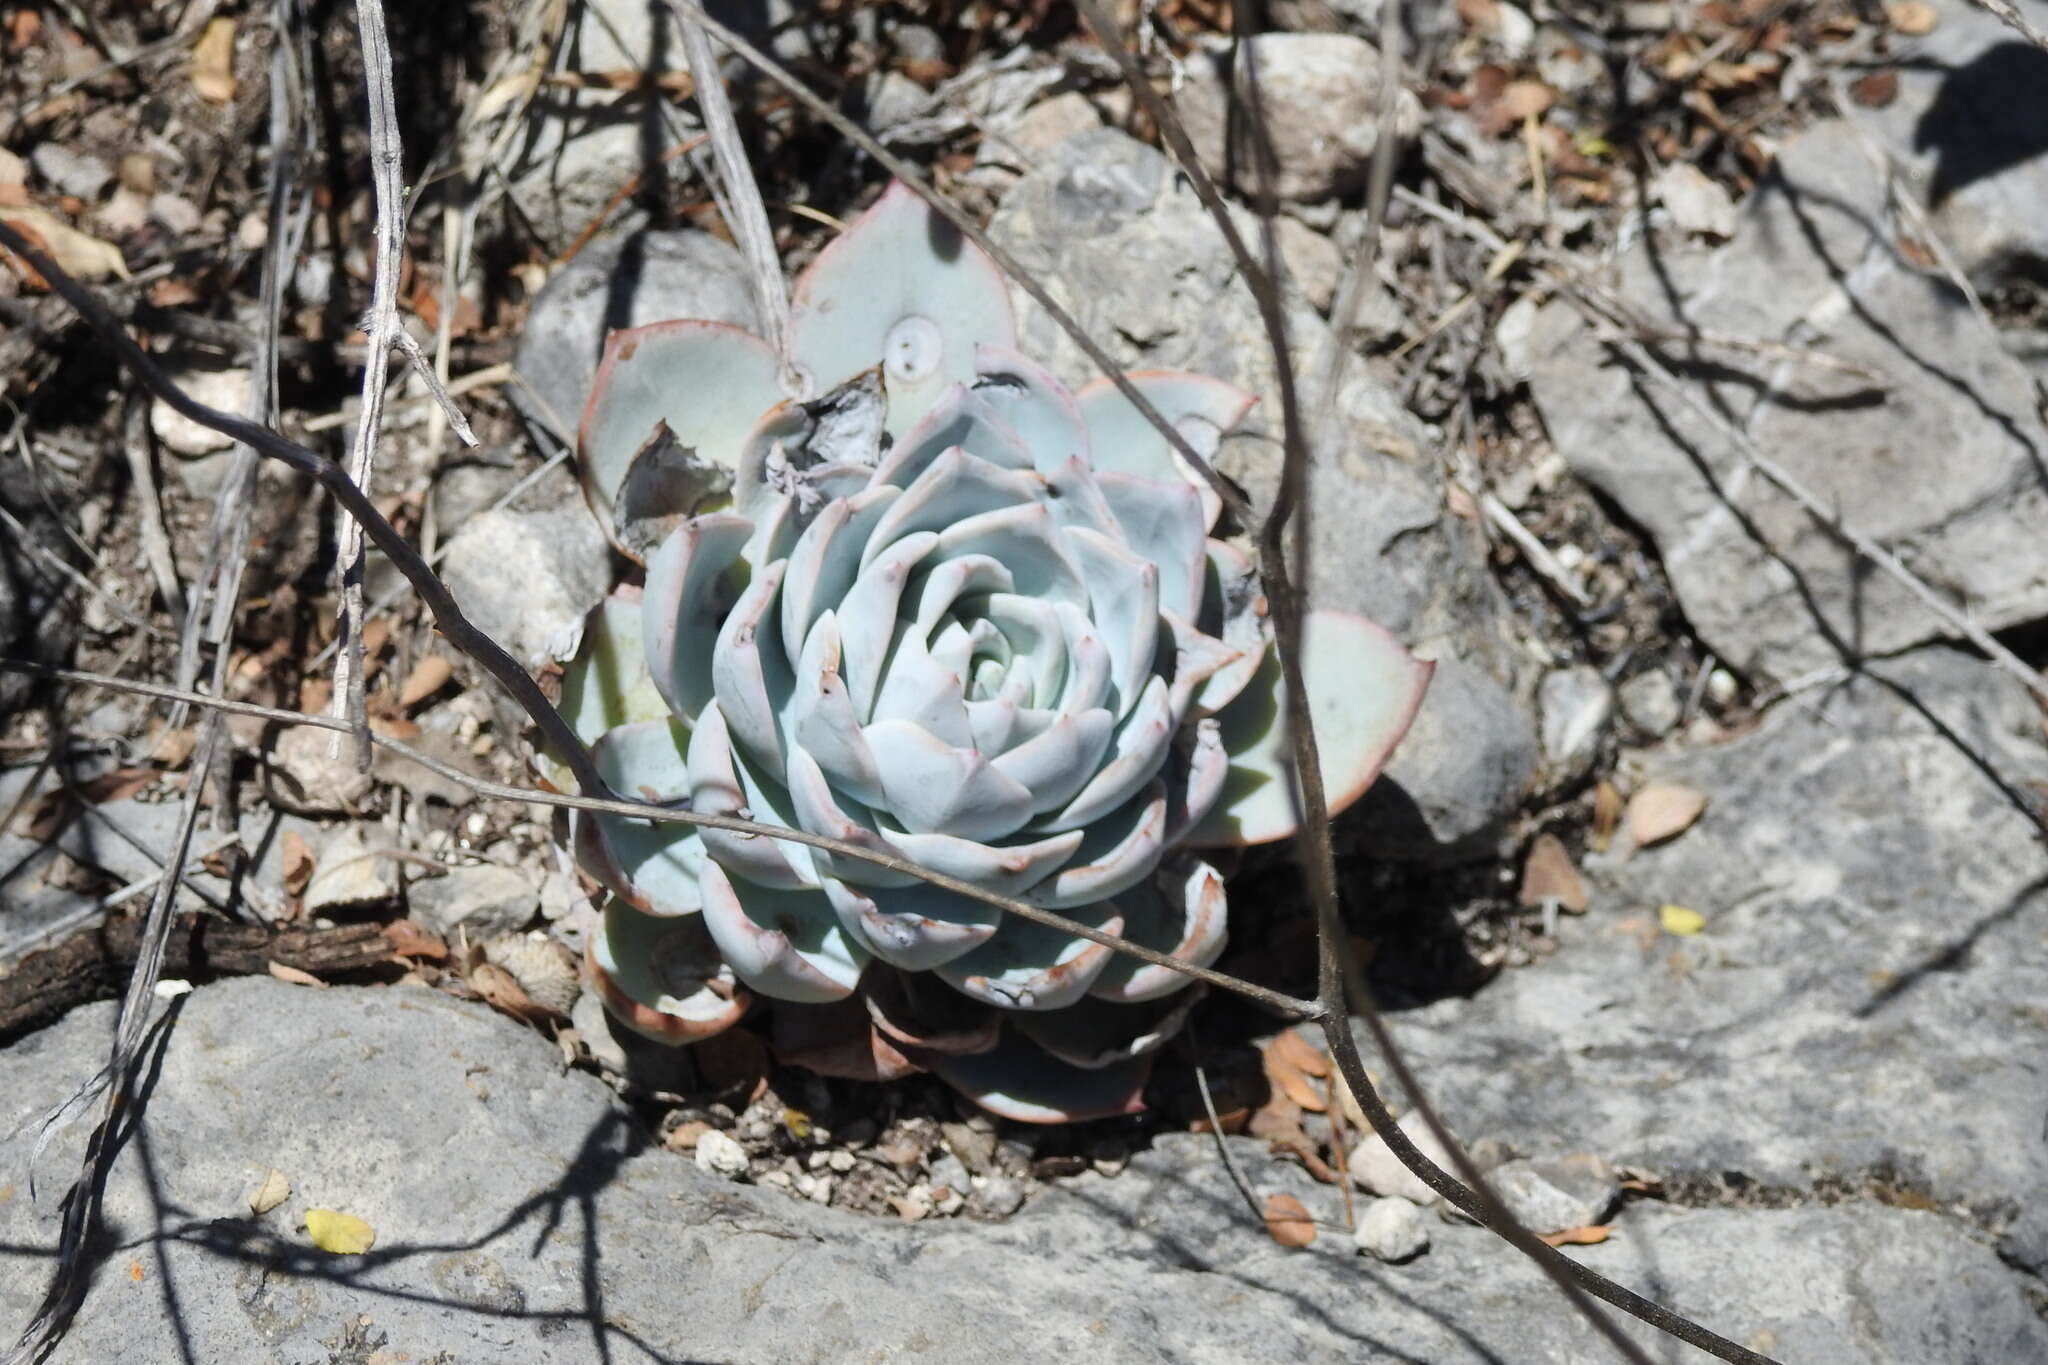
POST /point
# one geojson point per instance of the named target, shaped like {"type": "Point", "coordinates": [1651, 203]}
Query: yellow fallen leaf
{"type": "Point", "coordinates": [76, 253]}
{"type": "Point", "coordinates": [213, 62]}
{"type": "Point", "coordinates": [271, 1191]}
{"type": "Point", "coordinates": [1679, 920]}
{"type": "Point", "coordinates": [1663, 810]}
{"type": "Point", "coordinates": [339, 1234]}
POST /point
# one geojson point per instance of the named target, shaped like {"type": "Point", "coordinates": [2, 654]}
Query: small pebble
{"type": "Point", "coordinates": [841, 1161]}
{"type": "Point", "coordinates": [1391, 1230]}
{"type": "Point", "coordinates": [999, 1197]}
{"type": "Point", "coordinates": [718, 1153]}
{"type": "Point", "coordinates": [1375, 1167]}
{"type": "Point", "coordinates": [949, 1172]}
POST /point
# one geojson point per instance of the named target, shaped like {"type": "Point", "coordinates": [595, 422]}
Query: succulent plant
{"type": "Point", "coordinates": [935, 606]}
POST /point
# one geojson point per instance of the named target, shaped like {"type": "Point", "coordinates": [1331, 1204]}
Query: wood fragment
{"type": "Point", "coordinates": [94, 964]}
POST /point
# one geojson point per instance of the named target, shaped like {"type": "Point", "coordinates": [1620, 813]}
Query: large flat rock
{"type": "Point", "coordinates": [1864, 1011]}
{"type": "Point", "coordinates": [520, 1215]}
{"type": "Point", "coordinates": [1940, 457]}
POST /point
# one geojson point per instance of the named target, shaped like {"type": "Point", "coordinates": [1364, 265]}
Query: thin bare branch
{"type": "Point", "coordinates": [746, 216]}
{"type": "Point", "coordinates": [2006, 14]}
{"type": "Point", "coordinates": [382, 326]}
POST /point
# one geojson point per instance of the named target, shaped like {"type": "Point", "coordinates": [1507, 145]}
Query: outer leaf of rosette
{"type": "Point", "coordinates": [787, 944]}
{"type": "Point", "coordinates": [606, 684]}
{"type": "Point", "coordinates": [1181, 912]}
{"type": "Point", "coordinates": [1032, 966]}
{"type": "Point", "coordinates": [1201, 409]}
{"type": "Point", "coordinates": [1363, 689]}
{"type": "Point", "coordinates": [689, 590]}
{"type": "Point", "coordinates": [1015, 1080]}
{"type": "Point", "coordinates": [900, 288]}
{"type": "Point", "coordinates": [706, 380]}
{"type": "Point", "coordinates": [1095, 1033]}
{"type": "Point", "coordinates": [662, 977]}
{"type": "Point", "coordinates": [653, 866]}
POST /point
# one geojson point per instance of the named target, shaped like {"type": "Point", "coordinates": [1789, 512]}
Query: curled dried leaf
{"type": "Point", "coordinates": [428, 676]}
{"type": "Point", "coordinates": [1288, 1221]}
{"type": "Point", "coordinates": [1591, 1235]}
{"type": "Point", "coordinates": [213, 62]}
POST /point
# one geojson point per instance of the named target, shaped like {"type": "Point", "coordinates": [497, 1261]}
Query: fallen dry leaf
{"type": "Point", "coordinates": [213, 62]}
{"type": "Point", "coordinates": [1287, 1221]}
{"type": "Point", "coordinates": [409, 939]}
{"type": "Point", "coordinates": [1875, 90]}
{"type": "Point", "coordinates": [296, 855]}
{"type": "Point", "coordinates": [1548, 875]}
{"type": "Point", "coordinates": [1680, 920]}
{"type": "Point", "coordinates": [1591, 1235]}
{"type": "Point", "coordinates": [1663, 810]}
{"type": "Point", "coordinates": [76, 253]}
{"type": "Point", "coordinates": [1518, 101]}
{"type": "Point", "coordinates": [1914, 18]}
{"type": "Point", "coordinates": [1606, 813]}
{"type": "Point", "coordinates": [339, 1234]}
{"type": "Point", "coordinates": [501, 991]}
{"type": "Point", "coordinates": [1289, 1062]}
{"type": "Point", "coordinates": [271, 1191]}
{"type": "Point", "coordinates": [294, 975]}
{"type": "Point", "coordinates": [429, 675]}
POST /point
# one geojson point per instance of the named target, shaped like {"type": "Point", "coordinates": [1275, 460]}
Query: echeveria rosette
{"type": "Point", "coordinates": [941, 608]}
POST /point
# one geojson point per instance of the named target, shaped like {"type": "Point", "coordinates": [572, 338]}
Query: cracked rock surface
{"type": "Point", "coordinates": [519, 1214]}
{"type": "Point", "coordinates": [1863, 1015]}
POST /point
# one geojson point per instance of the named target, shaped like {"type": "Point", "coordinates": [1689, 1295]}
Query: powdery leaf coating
{"type": "Point", "coordinates": [951, 613]}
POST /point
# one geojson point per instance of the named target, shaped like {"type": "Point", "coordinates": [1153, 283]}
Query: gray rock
{"type": "Point", "coordinates": [719, 1154]}
{"type": "Point", "coordinates": [1551, 1194]}
{"type": "Point", "coordinates": [1651, 701]}
{"type": "Point", "coordinates": [1320, 97]}
{"type": "Point", "coordinates": [350, 874]}
{"type": "Point", "coordinates": [1374, 1166]}
{"type": "Point", "coordinates": [1945, 464]}
{"type": "Point", "coordinates": [626, 282]}
{"type": "Point", "coordinates": [1391, 1230]}
{"type": "Point", "coordinates": [71, 172]}
{"type": "Point", "coordinates": [520, 1213]}
{"type": "Point", "coordinates": [309, 776]}
{"type": "Point", "coordinates": [1576, 704]}
{"type": "Point", "coordinates": [483, 899]}
{"type": "Point", "coordinates": [1863, 1009]}
{"type": "Point", "coordinates": [527, 578]}
{"type": "Point", "coordinates": [1964, 133]}
{"type": "Point", "coordinates": [1463, 768]}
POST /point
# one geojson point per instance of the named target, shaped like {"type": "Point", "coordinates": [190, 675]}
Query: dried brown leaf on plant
{"type": "Point", "coordinates": [1288, 1221]}
{"type": "Point", "coordinates": [1548, 875]}
{"type": "Point", "coordinates": [1662, 811]}
{"type": "Point", "coordinates": [213, 62]}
